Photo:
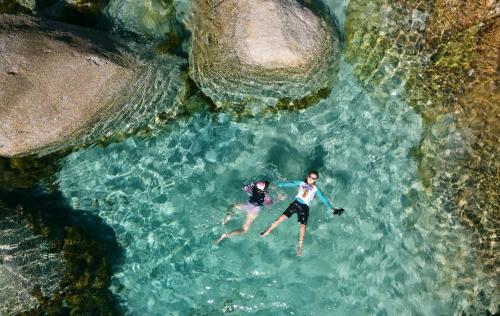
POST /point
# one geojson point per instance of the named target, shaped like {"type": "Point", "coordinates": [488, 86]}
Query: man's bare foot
{"type": "Point", "coordinates": [221, 238]}
{"type": "Point", "coordinates": [226, 219]}
{"type": "Point", "coordinates": [299, 252]}
{"type": "Point", "coordinates": [264, 233]}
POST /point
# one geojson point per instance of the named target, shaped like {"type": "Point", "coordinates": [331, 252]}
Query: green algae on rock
{"type": "Point", "coordinates": [305, 102]}
{"type": "Point", "coordinates": [17, 6]}
{"type": "Point", "coordinates": [261, 50]}
{"type": "Point", "coordinates": [446, 53]}
{"type": "Point", "coordinates": [151, 18]}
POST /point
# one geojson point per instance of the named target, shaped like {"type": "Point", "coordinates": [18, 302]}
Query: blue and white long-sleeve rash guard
{"type": "Point", "coordinates": [306, 192]}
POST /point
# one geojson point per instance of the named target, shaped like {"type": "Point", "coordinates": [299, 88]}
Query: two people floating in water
{"type": "Point", "coordinates": [259, 196]}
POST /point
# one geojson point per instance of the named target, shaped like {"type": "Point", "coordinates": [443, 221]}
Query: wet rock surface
{"type": "Point", "coordinates": [150, 17]}
{"type": "Point", "coordinates": [53, 81]}
{"type": "Point", "coordinates": [64, 86]}
{"type": "Point", "coordinates": [265, 50]}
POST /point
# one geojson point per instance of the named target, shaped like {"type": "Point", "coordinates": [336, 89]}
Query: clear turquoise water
{"type": "Point", "coordinates": [389, 254]}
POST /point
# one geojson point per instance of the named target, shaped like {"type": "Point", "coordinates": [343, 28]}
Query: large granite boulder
{"type": "Point", "coordinates": [61, 85]}
{"type": "Point", "coordinates": [262, 50]}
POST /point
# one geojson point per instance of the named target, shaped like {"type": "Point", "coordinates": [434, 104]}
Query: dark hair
{"type": "Point", "coordinates": [311, 172]}
{"type": "Point", "coordinates": [266, 185]}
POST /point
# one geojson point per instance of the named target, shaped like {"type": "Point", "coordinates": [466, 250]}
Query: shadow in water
{"type": "Point", "coordinates": [289, 160]}
{"type": "Point", "coordinates": [316, 161]}
{"type": "Point", "coordinates": [284, 157]}
{"type": "Point", "coordinates": [26, 172]}
{"type": "Point", "coordinates": [89, 246]}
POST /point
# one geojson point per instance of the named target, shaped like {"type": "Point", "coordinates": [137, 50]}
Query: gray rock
{"type": "Point", "coordinates": [62, 85]}
{"type": "Point", "coordinates": [261, 49]}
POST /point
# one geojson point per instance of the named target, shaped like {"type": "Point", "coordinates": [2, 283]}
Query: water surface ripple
{"type": "Point", "coordinates": [165, 196]}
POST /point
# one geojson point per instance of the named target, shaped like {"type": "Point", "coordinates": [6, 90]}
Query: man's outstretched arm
{"type": "Point", "coordinates": [324, 200]}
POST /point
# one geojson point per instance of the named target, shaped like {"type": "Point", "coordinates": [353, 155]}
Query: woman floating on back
{"type": "Point", "coordinates": [259, 196]}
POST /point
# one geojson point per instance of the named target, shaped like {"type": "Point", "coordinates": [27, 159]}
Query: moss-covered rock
{"type": "Point", "coordinates": [17, 6]}
{"type": "Point", "coordinates": [444, 55]}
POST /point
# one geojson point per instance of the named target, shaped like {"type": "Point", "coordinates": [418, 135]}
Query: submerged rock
{"type": "Point", "coordinates": [54, 260]}
{"type": "Point", "coordinates": [149, 17]}
{"type": "Point", "coordinates": [62, 85]}
{"type": "Point", "coordinates": [27, 262]}
{"type": "Point", "coordinates": [265, 50]}
{"type": "Point", "coordinates": [17, 6]}
{"type": "Point", "coordinates": [87, 13]}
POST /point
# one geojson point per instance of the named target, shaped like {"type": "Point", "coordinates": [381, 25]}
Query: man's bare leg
{"type": "Point", "coordinates": [243, 230]}
{"type": "Point", "coordinates": [302, 233]}
{"type": "Point", "coordinates": [278, 221]}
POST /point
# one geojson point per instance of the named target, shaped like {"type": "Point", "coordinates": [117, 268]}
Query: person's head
{"type": "Point", "coordinates": [262, 185]}
{"type": "Point", "coordinates": [312, 177]}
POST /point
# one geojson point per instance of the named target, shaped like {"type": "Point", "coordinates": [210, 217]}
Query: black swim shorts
{"type": "Point", "coordinates": [302, 211]}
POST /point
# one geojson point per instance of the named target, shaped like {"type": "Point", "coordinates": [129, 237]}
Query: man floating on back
{"type": "Point", "coordinates": [303, 199]}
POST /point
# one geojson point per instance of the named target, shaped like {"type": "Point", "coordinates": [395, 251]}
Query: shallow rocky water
{"type": "Point", "coordinates": [165, 197]}
{"type": "Point", "coordinates": [395, 250]}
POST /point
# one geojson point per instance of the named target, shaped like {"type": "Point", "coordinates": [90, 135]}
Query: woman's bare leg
{"type": "Point", "coordinates": [246, 226]}
{"type": "Point", "coordinates": [302, 233]}
{"type": "Point", "coordinates": [278, 221]}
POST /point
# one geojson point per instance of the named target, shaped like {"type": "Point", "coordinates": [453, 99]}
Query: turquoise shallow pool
{"type": "Point", "coordinates": [389, 254]}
